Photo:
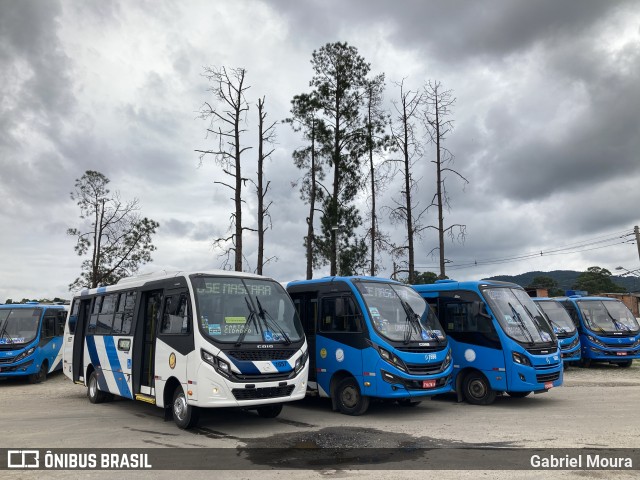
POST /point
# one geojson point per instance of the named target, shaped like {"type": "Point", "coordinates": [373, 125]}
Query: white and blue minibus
{"type": "Point", "coordinates": [499, 340]}
{"type": "Point", "coordinates": [370, 338]}
{"type": "Point", "coordinates": [186, 341]}
{"type": "Point", "coordinates": [31, 339]}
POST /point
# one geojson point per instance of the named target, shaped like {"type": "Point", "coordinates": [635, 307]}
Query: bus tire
{"type": "Point", "coordinates": [518, 394]}
{"type": "Point", "coordinates": [185, 416]}
{"type": "Point", "coordinates": [270, 411]}
{"type": "Point", "coordinates": [349, 399]}
{"type": "Point", "coordinates": [477, 390]}
{"type": "Point", "coordinates": [585, 362]}
{"type": "Point", "coordinates": [626, 364]}
{"type": "Point", "coordinates": [407, 402]}
{"type": "Point", "coordinates": [94, 393]}
{"type": "Point", "coordinates": [41, 375]}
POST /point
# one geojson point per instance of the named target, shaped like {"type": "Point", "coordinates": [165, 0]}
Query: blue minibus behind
{"type": "Point", "coordinates": [370, 338]}
{"type": "Point", "coordinates": [563, 327]}
{"type": "Point", "coordinates": [499, 340]}
{"type": "Point", "coordinates": [31, 339]}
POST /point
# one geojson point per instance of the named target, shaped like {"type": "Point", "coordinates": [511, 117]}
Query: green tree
{"type": "Point", "coordinates": [597, 280]}
{"type": "Point", "coordinates": [339, 80]}
{"type": "Point", "coordinates": [543, 281]}
{"type": "Point", "coordinates": [117, 238]}
{"type": "Point", "coordinates": [425, 278]}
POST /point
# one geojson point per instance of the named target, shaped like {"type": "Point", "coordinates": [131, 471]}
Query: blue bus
{"type": "Point", "coordinates": [499, 340]}
{"type": "Point", "coordinates": [369, 338]}
{"type": "Point", "coordinates": [31, 339]}
{"type": "Point", "coordinates": [563, 327]}
{"type": "Point", "coordinates": [608, 330]}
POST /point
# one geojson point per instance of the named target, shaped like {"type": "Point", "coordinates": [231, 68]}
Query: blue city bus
{"type": "Point", "coordinates": [563, 327]}
{"type": "Point", "coordinates": [31, 339]}
{"type": "Point", "coordinates": [369, 338]}
{"type": "Point", "coordinates": [499, 340]}
{"type": "Point", "coordinates": [608, 330]}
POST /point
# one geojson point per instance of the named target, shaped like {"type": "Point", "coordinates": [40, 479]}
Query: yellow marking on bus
{"type": "Point", "coordinates": [145, 398]}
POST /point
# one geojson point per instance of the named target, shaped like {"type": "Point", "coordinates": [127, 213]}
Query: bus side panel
{"type": "Point", "coordinates": [169, 363]}
{"type": "Point", "coordinates": [333, 356]}
{"type": "Point", "coordinates": [489, 361]}
{"type": "Point", "coordinates": [51, 351]}
{"type": "Point", "coordinates": [113, 366]}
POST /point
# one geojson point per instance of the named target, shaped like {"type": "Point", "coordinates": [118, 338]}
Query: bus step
{"type": "Point", "coordinates": [145, 398]}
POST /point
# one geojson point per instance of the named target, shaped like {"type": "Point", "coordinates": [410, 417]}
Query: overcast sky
{"type": "Point", "coordinates": [547, 126]}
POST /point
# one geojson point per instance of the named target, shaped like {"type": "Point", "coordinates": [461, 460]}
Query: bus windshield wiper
{"type": "Point", "coordinates": [4, 333]}
{"type": "Point", "coordinates": [252, 317]}
{"type": "Point", "coordinates": [534, 319]}
{"type": "Point", "coordinates": [521, 324]}
{"type": "Point", "coordinates": [271, 323]}
{"type": "Point", "coordinates": [616, 324]}
{"type": "Point", "coordinates": [412, 322]}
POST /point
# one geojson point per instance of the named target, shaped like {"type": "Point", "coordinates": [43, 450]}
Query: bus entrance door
{"type": "Point", "coordinates": [151, 312]}
{"type": "Point", "coordinates": [78, 341]}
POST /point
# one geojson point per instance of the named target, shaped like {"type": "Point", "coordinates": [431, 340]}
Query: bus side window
{"type": "Point", "coordinates": [73, 316]}
{"type": "Point", "coordinates": [105, 318]}
{"type": "Point", "coordinates": [48, 324]}
{"type": "Point", "coordinates": [175, 317]}
{"type": "Point", "coordinates": [339, 314]}
{"type": "Point", "coordinates": [93, 318]}
{"type": "Point", "coordinates": [61, 318]}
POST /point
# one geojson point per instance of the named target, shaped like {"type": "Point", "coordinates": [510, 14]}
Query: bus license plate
{"type": "Point", "coordinates": [622, 354]}
{"type": "Point", "coordinates": [548, 385]}
{"type": "Point", "coordinates": [428, 383]}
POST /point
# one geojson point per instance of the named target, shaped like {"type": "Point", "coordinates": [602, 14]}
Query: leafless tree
{"type": "Point", "coordinates": [266, 136]}
{"type": "Point", "coordinates": [407, 210]}
{"type": "Point", "coordinates": [226, 118]}
{"type": "Point", "coordinates": [438, 122]}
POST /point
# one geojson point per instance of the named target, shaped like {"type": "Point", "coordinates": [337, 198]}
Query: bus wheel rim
{"type": "Point", "coordinates": [180, 407]}
{"type": "Point", "coordinates": [92, 386]}
{"type": "Point", "coordinates": [349, 397]}
{"type": "Point", "coordinates": [477, 389]}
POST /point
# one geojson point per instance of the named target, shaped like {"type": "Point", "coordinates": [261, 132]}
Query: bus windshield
{"type": "Point", "coordinates": [399, 313]}
{"type": "Point", "coordinates": [560, 320]}
{"type": "Point", "coordinates": [19, 325]}
{"type": "Point", "coordinates": [608, 316]}
{"type": "Point", "coordinates": [238, 310]}
{"type": "Point", "coordinates": [518, 315]}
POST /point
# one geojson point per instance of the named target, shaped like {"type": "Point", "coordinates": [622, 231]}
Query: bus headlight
{"type": "Point", "coordinates": [596, 341]}
{"type": "Point", "coordinates": [447, 361]}
{"type": "Point", "coordinates": [521, 359]}
{"type": "Point", "coordinates": [300, 363]}
{"type": "Point", "coordinates": [391, 358]}
{"type": "Point", "coordinates": [24, 354]}
{"type": "Point", "coordinates": [216, 362]}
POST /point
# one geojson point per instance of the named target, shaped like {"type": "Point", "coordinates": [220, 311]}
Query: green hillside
{"type": "Point", "coordinates": [566, 279]}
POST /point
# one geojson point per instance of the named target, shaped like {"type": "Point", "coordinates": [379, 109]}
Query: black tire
{"type": "Point", "coordinates": [585, 362]}
{"type": "Point", "coordinates": [270, 411]}
{"type": "Point", "coordinates": [476, 389]}
{"type": "Point", "coordinates": [518, 394]}
{"type": "Point", "coordinates": [626, 364]}
{"type": "Point", "coordinates": [93, 392]}
{"type": "Point", "coordinates": [41, 375]}
{"type": "Point", "coordinates": [407, 402]}
{"type": "Point", "coordinates": [348, 397]}
{"type": "Point", "coordinates": [185, 416]}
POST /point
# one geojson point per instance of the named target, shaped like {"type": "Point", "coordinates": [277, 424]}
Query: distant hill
{"type": "Point", "coordinates": [565, 278]}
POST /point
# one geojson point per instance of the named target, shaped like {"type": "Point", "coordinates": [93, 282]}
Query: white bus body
{"type": "Point", "coordinates": [185, 341]}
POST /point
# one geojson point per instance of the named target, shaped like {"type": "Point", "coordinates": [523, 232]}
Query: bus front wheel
{"type": "Point", "coordinates": [477, 390]}
{"type": "Point", "coordinates": [95, 395]}
{"type": "Point", "coordinates": [184, 415]}
{"type": "Point", "coordinates": [270, 411]}
{"type": "Point", "coordinates": [349, 399]}
{"type": "Point", "coordinates": [41, 375]}
{"type": "Point", "coordinates": [626, 364]}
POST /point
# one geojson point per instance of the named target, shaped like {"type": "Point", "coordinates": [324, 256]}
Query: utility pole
{"type": "Point", "coordinates": [636, 230]}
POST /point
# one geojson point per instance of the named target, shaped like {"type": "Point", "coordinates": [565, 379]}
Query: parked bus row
{"type": "Point", "coordinates": [187, 341]}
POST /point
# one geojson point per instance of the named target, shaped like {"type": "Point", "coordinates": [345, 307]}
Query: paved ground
{"type": "Point", "coordinates": [597, 407]}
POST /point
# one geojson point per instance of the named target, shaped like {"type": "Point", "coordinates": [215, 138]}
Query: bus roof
{"type": "Point", "coordinates": [341, 279]}
{"type": "Point", "coordinates": [32, 305]}
{"type": "Point", "coordinates": [449, 284]}
{"type": "Point", "coordinates": [139, 280]}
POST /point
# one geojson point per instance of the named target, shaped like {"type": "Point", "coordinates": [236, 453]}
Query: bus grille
{"type": "Point", "coordinates": [541, 350]}
{"type": "Point", "coordinates": [434, 348]}
{"type": "Point", "coordinates": [421, 369]}
{"type": "Point", "coordinates": [260, 355]}
{"type": "Point", "coordinates": [260, 393]}
{"type": "Point", "coordinates": [547, 377]}
{"type": "Point", "coordinates": [7, 360]}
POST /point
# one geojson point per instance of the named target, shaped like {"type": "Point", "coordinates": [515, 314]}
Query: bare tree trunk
{"type": "Point", "coordinates": [312, 204]}
{"type": "Point", "coordinates": [407, 188]}
{"type": "Point", "coordinates": [260, 189]}
{"type": "Point", "coordinates": [439, 190]}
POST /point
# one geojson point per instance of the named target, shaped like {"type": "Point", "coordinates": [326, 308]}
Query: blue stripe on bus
{"type": "Point", "coordinates": [282, 366]}
{"type": "Point", "coordinates": [246, 368]}
{"type": "Point", "coordinates": [101, 289]}
{"type": "Point", "coordinates": [95, 361]}
{"type": "Point", "coordinates": [116, 369]}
